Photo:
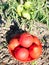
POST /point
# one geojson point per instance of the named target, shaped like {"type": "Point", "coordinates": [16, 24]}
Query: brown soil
{"type": "Point", "coordinates": [40, 30]}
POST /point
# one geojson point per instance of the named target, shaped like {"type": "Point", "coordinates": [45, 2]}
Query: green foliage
{"type": "Point", "coordinates": [34, 63]}
{"type": "Point", "coordinates": [33, 9]}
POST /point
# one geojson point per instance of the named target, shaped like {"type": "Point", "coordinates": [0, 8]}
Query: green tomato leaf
{"type": "Point", "coordinates": [34, 63]}
{"type": "Point", "coordinates": [26, 15]}
{"type": "Point", "coordinates": [27, 4]}
{"type": "Point", "coordinates": [20, 8]}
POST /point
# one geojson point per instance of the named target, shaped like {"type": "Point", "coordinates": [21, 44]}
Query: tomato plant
{"type": "Point", "coordinates": [19, 9]}
{"type": "Point", "coordinates": [27, 4]}
{"type": "Point", "coordinates": [26, 15]}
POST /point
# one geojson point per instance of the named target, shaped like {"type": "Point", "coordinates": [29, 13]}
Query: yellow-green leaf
{"type": "Point", "coordinates": [26, 15]}
{"type": "Point", "coordinates": [27, 4]}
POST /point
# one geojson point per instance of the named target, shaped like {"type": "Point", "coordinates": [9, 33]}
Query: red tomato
{"type": "Point", "coordinates": [13, 43]}
{"type": "Point", "coordinates": [36, 40]}
{"type": "Point", "coordinates": [29, 58]}
{"type": "Point", "coordinates": [16, 49]}
{"type": "Point", "coordinates": [35, 51]}
{"type": "Point", "coordinates": [26, 40]}
{"type": "Point", "coordinates": [22, 54]}
{"type": "Point", "coordinates": [17, 36]}
{"type": "Point", "coordinates": [25, 47]}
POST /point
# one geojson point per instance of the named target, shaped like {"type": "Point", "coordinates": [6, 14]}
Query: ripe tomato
{"type": "Point", "coordinates": [29, 58]}
{"type": "Point", "coordinates": [36, 40]}
{"type": "Point", "coordinates": [13, 43]}
{"type": "Point", "coordinates": [22, 54]}
{"type": "Point", "coordinates": [35, 51]}
{"type": "Point", "coordinates": [17, 36]}
{"type": "Point", "coordinates": [25, 47]}
{"type": "Point", "coordinates": [26, 40]}
{"type": "Point", "coordinates": [16, 49]}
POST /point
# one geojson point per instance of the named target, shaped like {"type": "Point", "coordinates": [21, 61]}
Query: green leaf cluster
{"type": "Point", "coordinates": [26, 11]}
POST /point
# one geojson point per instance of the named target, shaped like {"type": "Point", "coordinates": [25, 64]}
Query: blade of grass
{"type": "Point", "coordinates": [34, 63]}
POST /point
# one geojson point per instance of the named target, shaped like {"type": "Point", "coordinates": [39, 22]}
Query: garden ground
{"type": "Point", "coordinates": [40, 30]}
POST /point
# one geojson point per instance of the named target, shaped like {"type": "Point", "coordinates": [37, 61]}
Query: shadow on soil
{"type": "Point", "coordinates": [46, 45]}
{"type": "Point", "coordinates": [14, 30]}
{"type": "Point", "coordinates": [1, 21]}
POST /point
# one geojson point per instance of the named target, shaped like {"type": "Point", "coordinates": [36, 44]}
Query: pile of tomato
{"type": "Point", "coordinates": [25, 47]}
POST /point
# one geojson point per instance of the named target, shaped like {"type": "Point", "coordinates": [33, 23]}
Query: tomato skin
{"type": "Point", "coordinates": [36, 40]}
{"type": "Point", "coordinates": [26, 40]}
{"type": "Point", "coordinates": [29, 58]}
{"type": "Point", "coordinates": [22, 54]}
{"type": "Point", "coordinates": [13, 43]}
{"type": "Point", "coordinates": [17, 36]}
{"type": "Point", "coordinates": [35, 51]}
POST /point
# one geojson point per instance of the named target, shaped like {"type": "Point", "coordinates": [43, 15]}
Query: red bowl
{"type": "Point", "coordinates": [29, 59]}
{"type": "Point", "coordinates": [12, 53]}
